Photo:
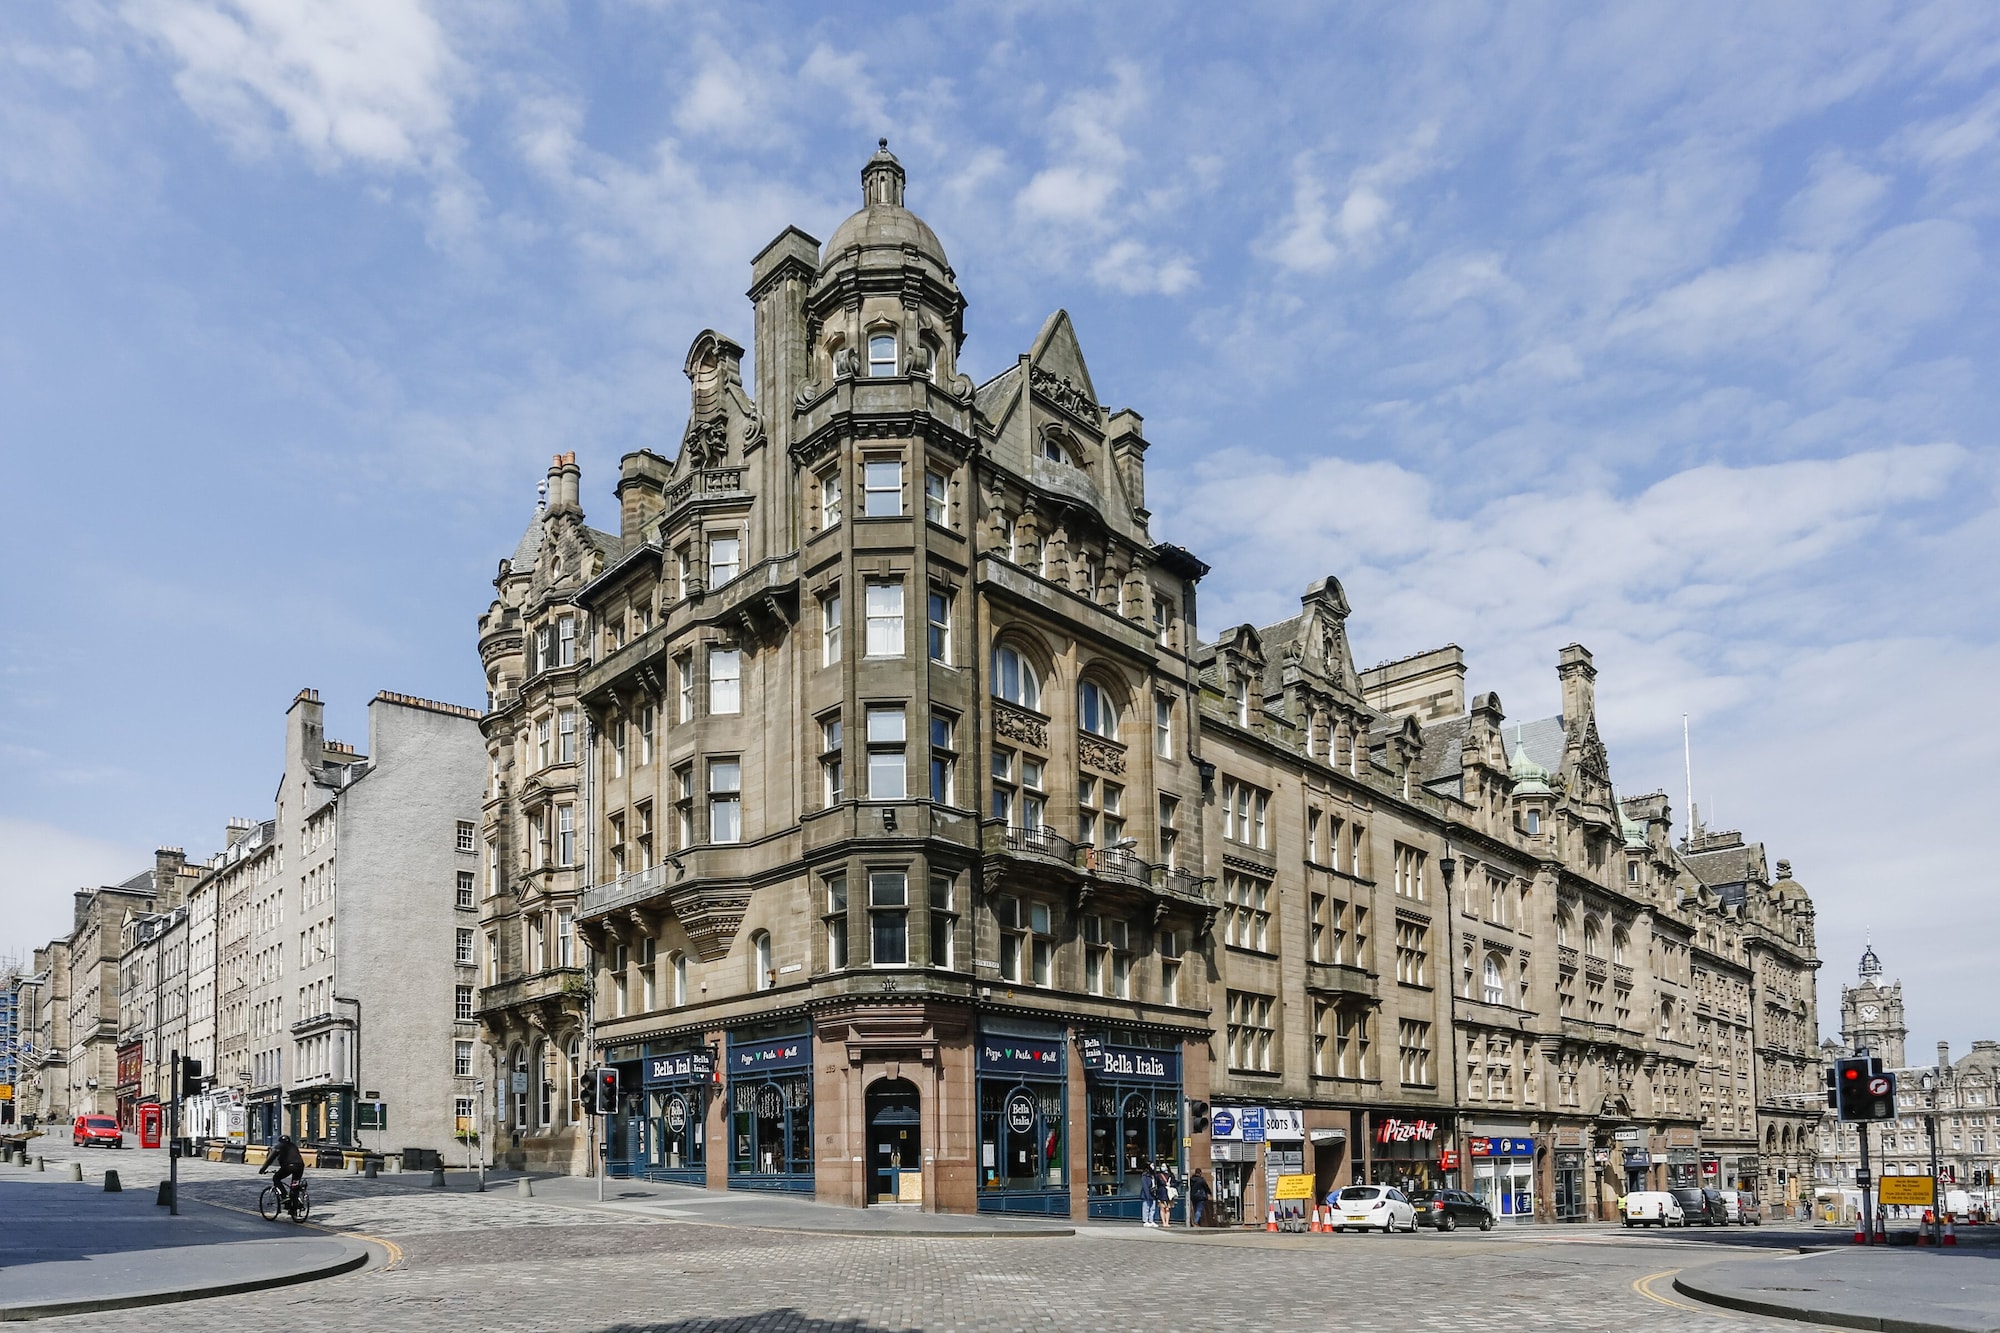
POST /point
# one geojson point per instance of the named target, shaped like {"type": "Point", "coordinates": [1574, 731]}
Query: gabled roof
{"type": "Point", "coordinates": [993, 394]}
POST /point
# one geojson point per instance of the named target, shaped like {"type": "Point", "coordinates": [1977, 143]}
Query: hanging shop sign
{"type": "Point", "coordinates": [679, 1066]}
{"type": "Point", "coordinates": [1138, 1062]}
{"type": "Point", "coordinates": [1601, 1156]}
{"type": "Point", "coordinates": [1090, 1046]}
{"type": "Point", "coordinates": [1448, 1159]}
{"type": "Point", "coordinates": [1405, 1131]}
{"type": "Point", "coordinates": [1016, 1055]}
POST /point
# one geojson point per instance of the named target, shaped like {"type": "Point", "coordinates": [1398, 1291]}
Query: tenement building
{"type": "Point", "coordinates": [934, 857]}
{"type": "Point", "coordinates": [531, 996]}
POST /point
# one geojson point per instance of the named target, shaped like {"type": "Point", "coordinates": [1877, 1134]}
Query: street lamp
{"type": "Point", "coordinates": [1929, 1083]}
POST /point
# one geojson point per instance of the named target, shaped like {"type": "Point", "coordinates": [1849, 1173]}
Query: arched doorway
{"type": "Point", "coordinates": [895, 1142]}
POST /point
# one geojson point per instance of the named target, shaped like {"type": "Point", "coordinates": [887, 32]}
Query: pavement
{"type": "Point", "coordinates": [656, 1258]}
{"type": "Point", "coordinates": [69, 1248]}
{"type": "Point", "coordinates": [1897, 1290]}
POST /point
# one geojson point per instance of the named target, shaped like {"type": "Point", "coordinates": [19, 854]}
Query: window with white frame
{"type": "Point", "coordinates": [1018, 795]}
{"type": "Point", "coordinates": [1413, 1052]}
{"type": "Point", "coordinates": [566, 736]}
{"type": "Point", "coordinates": [616, 728]}
{"type": "Point", "coordinates": [1169, 830]}
{"type": "Point", "coordinates": [882, 488]}
{"type": "Point", "coordinates": [1245, 813]}
{"type": "Point", "coordinates": [545, 750]}
{"type": "Point", "coordinates": [1027, 951]}
{"type": "Point", "coordinates": [725, 680]}
{"type": "Point", "coordinates": [829, 629]}
{"type": "Point", "coordinates": [684, 685]}
{"type": "Point", "coordinates": [1163, 725]}
{"type": "Point", "coordinates": [884, 608]}
{"type": "Point", "coordinates": [1095, 711]}
{"type": "Point", "coordinates": [1412, 953]}
{"type": "Point", "coordinates": [468, 836]}
{"type": "Point", "coordinates": [937, 508]}
{"type": "Point", "coordinates": [462, 1007]}
{"type": "Point", "coordinates": [944, 922]}
{"type": "Point", "coordinates": [1014, 678]}
{"type": "Point", "coordinates": [829, 499]}
{"type": "Point", "coordinates": [725, 800]}
{"type": "Point", "coordinates": [1246, 912]}
{"type": "Point", "coordinates": [831, 768]}
{"type": "Point", "coordinates": [940, 628]}
{"type": "Point", "coordinates": [888, 918]}
{"type": "Point", "coordinates": [1410, 873]}
{"type": "Point", "coordinates": [1107, 956]}
{"type": "Point", "coordinates": [677, 964]}
{"type": "Point", "coordinates": [1100, 812]}
{"type": "Point", "coordinates": [461, 1059]}
{"type": "Point", "coordinates": [565, 938]}
{"type": "Point", "coordinates": [647, 720]}
{"type": "Point", "coordinates": [1250, 1031]}
{"type": "Point", "coordinates": [566, 641]}
{"type": "Point", "coordinates": [881, 355]}
{"type": "Point", "coordinates": [565, 835]}
{"type": "Point", "coordinates": [464, 951]}
{"type": "Point", "coordinates": [765, 976]}
{"type": "Point", "coordinates": [944, 759]}
{"type": "Point", "coordinates": [1173, 947]}
{"type": "Point", "coordinates": [888, 765]}
{"type": "Point", "coordinates": [725, 560]}
{"type": "Point", "coordinates": [465, 890]}
{"type": "Point", "coordinates": [835, 920]}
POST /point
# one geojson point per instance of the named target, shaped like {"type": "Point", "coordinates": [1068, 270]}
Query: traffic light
{"type": "Point", "coordinates": [605, 1079]}
{"type": "Point", "coordinates": [1197, 1117]}
{"type": "Point", "coordinates": [1861, 1091]}
{"type": "Point", "coordinates": [190, 1074]}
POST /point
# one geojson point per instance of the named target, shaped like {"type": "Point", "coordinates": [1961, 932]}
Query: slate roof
{"type": "Point", "coordinates": [530, 545]}
{"type": "Point", "coordinates": [1544, 740]}
{"type": "Point", "coordinates": [1727, 866]}
{"type": "Point", "coordinates": [1444, 745]}
{"type": "Point", "coordinates": [997, 391]}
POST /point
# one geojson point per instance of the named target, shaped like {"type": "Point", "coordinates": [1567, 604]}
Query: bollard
{"type": "Point", "coordinates": [111, 1185]}
{"type": "Point", "coordinates": [354, 1167]}
{"type": "Point", "coordinates": [165, 1198]}
{"type": "Point", "coordinates": [368, 1172]}
{"type": "Point", "coordinates": [41, 1164]}
{"type": "Point", "coordinates": [525, 1188]}
{"type": "Point", "coordinates": [76, 1170]}
{"type": "Point", "coordinates": [437, 1177]}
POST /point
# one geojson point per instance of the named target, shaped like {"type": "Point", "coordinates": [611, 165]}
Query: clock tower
{"type": "Point", "coordinates": [1871, 1014]}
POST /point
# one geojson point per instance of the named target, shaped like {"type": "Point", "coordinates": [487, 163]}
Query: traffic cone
{"type": "Point", "coordinates": [1271, 1220]}
{"type": "Point", "coordinates": [1881, 1228]}
{"type": "Point", "coordinates": [1319, 1221]}
{"type": "Point", "coordinates": [1924, 1232]}
{"type": "Point", "coordinates": [1950, 1234]}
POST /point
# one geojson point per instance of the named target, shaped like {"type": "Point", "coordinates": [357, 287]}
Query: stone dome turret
{"type": "Point", "coordinates": [884, 224]}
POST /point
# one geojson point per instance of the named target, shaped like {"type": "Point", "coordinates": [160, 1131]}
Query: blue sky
{"type": "Point", "coordinates": [1666, 328]}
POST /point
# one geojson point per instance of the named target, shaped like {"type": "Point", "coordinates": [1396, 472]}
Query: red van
{"type": "Point", "coordinates": [101, 1130]}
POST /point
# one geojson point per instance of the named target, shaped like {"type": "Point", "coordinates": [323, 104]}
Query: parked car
{"type": "Point", "coordinates": [1373, 1208]}
{"type": "Point", "coordinates": [100, 1130]}
{"type": "Point", "coordinates": [1653, 1208]}
{"type": "Point", "coordinates": [1448, 1210]}
{"type": "Point", "coordinates": [1703, 1206]}
{"type": "Point", "coordinates": [1743, 1208]}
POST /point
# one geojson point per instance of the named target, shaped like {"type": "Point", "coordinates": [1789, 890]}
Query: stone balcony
{"type": "Point", "coordinates": [1341, 979]}
{"type": "Point", "coordinates": [1057, 861]}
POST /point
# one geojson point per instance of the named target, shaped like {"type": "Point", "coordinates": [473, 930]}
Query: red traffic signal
{"type": "Point", "coordinates": [605, 1079]}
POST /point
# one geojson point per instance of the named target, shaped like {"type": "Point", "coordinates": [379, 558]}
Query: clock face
{"type": "Point", "coordinates": [1869, 1013]}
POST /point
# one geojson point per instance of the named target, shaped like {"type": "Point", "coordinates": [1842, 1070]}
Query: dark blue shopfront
{"type": "Point", "coordinates": [1023, 1120]}
{"type": "Point", "coordinates": [678, 1085]}
{"type": "Point", "coordinates": [770, 1113]}
{"type": "Point", "coordinates": [1135, 1120]}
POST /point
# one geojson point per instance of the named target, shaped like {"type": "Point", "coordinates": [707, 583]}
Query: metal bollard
{"type": "Point", "coordinates": [76, 1170]}
{"type": "Point", "coordinates": [437, 1177]}
{"type": "Point", "coordinates": [525, 1188]}
{"type": "Point", "coordinates": [368, 1172]}
{"type": "Point", "coordinates": [165, 1197]}
{"type": "Point", "coordinates": [111, 1185]}
{"type": "Point", "coordinates": [41, 1164]}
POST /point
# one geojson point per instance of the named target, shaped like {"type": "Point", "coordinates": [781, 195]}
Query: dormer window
{"type": "Point", "coordinates": [881, 355]}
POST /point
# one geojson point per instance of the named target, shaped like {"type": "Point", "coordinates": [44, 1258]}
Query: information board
{"type": "Point", "coordinates": [1918, 1191]}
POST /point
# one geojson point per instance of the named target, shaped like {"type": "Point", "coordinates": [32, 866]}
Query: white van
{"type": "Point", "coordinates": [1653, 1208]}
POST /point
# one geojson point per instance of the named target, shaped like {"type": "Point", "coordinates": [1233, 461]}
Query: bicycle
{"type": "Point", "coordinates": [293, 1200]}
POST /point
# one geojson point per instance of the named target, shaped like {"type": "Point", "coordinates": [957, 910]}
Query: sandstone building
{"type": "Point", "coordinates": [920, 849]}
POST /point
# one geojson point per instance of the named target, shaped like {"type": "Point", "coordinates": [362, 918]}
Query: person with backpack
{"type": "Point", "coordinates": [1149, 1197]}
{"type": "Point", "coordinates": [1198, 1200]}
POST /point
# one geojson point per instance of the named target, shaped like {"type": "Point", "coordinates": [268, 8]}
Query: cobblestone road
{"type": "Point", "coordinates": [493, 1261]}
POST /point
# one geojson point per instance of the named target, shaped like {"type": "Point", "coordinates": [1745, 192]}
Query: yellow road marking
{"type": "Point", "coordinates": [1644, 1286]}
{"type": "Point", "coordinates": [395, 1251]}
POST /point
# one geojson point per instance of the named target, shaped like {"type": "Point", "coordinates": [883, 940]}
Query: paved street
{"type": "Point", "coordinates": [656, 1263]}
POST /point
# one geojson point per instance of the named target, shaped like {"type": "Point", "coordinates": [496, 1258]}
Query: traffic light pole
{"type": "Point", "coordinates": [1867, 1183]}
{"type": "Point", "coordinates": [174, 1135]}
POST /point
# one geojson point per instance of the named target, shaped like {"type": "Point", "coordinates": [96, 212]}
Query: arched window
{"type": "Point", "coordinates": [1014, 678]}
{"type": "Point", "coordinates": [1095, 712]}
{"type": "Point", "coordinates": [520, 1085]}
{"type": "Point", "coordinates": [1495, 982]}
{"type": "Point", "coordinates": [1562, 927]}
{"type": "Point", "coordinates": [680, 964]}
{"type": "Point", "coordinates": [1593, 938]}
{"type": "Point", "coordinates": [545, 1071]}
{"type": "Point", "coordinates": [1619, 941]}
{"type": "Point", "coordinates": [760, 960]}
{"type": "Point", "coordinates": [881, 355]}
{"type": "Point", "coordinates": [573, 1080]}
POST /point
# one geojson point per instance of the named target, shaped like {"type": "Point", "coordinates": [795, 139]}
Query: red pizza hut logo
{"type": "Point", "coordinates": [1405, 1131]}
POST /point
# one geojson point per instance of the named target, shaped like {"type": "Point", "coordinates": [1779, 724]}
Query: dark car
{"type": "Point", "coordinates": [1448, 1210]}
{"type": "Point", "coordinates": [1703, 1206]}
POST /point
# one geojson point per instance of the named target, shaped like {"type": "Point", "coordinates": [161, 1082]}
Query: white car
{"type": "Point", "coordinates": [1653, 1208]}
{"type": "Point", "coordinates": [1373, 1208]}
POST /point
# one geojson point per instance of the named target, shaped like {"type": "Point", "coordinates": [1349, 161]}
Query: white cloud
{"type": "Point", "coordinates": [367, 82]}
{"type": "Point", "coordinates": [1838, 204]}
{"type": "Point", "coordinates": [1317, 233]}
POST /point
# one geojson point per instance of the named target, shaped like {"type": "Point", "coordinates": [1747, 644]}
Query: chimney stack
{"type": "Point", "coordinates": [1944, 1055]}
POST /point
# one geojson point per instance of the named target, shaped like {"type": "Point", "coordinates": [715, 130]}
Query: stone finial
{"type": "Point", "coordinates": [882, 179]}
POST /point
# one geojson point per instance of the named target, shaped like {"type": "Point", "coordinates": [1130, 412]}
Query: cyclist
{"type": "Point", "coordinates": [288, 1163]}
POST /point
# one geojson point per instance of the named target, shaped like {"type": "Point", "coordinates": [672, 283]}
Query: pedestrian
{"type": "Point", "coordinates": [1169, 1193]}
{"type": "Point", "coordinates": [1198, 1197]}
{"type": "Point", "coordinates": [1149, 1197]}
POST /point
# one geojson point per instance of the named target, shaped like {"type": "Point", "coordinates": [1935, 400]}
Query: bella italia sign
{"type": "Point", "coordinates": [1136, 1062]}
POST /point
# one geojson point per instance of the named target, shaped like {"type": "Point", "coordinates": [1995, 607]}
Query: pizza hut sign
{"type": "Point", "coordinates": [1405, 1131]}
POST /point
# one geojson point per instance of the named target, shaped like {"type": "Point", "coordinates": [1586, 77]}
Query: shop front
{"type": "Point", "coordinates": [677, 1088]}
{"type": "Point", "coordinates": [1636, 1163]}
{"type": "Point", "coordinates": [1683, 1168]}
{"type": "Point", "coordinates": [771, 1113]}
{"type": "Point", "coordinates": [1234, 1133]}
{"type": "Point", "coordinates": [1404, 1150]}
{"type": "Point", "coordinates": [322, 1115]}
{"type": "Point", "coordinates": [1503, 1175]}
{"type": "Point", "coordinates": [627, 1132]}
{"type": "Point", "coordinates": [1134, 1094]}
{"type": "Point", "coordinates": [1022, 1073]}
{"type": "Point", "coordinates": [263, 1115]}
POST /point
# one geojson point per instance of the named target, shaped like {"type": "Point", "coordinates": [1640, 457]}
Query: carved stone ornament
{"type": "Point", "coordinates": [846, 363]}
{"type": "Point", "coordinates": [1020, 725]}
{"type": "Point", "coordinates": [1066, 394]}
{"type": "Point", "coordinates": [1100, 754]}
